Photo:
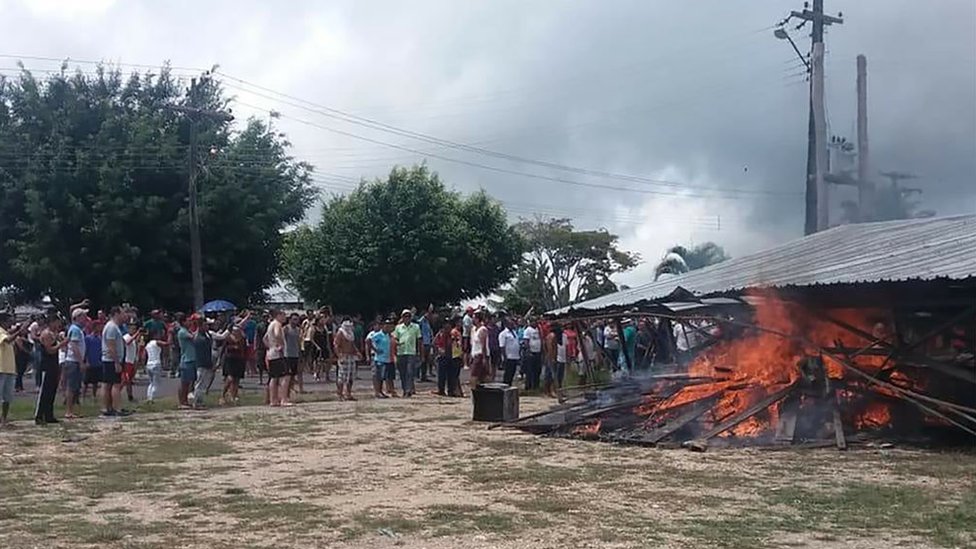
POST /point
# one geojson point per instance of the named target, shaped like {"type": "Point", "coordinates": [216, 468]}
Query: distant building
{"type": "Point", "coordinates": [283, 296]}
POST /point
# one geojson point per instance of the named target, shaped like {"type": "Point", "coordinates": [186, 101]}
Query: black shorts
{"type": "Point", "coordinates": [234, 367]}
{"type": "Point", "coordinates": [277, 368]}
{"type": "Point", "coordinates": [109, 375]}
{"type": "Point", "coordinates": [93, 375]}
{"type": "Point", "coordinates": [261, 355]}
{"type": "Point", "coordinates": [292, 363]}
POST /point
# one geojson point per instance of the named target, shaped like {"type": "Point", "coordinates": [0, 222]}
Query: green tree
{"type": "Point", "coordinates": [405, 240]}
{"type": "Point", "coordinates": [93, 172]}
{"type": "Point", "coordinates": [679, 259]}
{"type": "Point", "coordinates": [564, 266]}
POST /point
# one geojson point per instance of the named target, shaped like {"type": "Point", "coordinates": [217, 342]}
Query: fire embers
{"type": "Point", "coordinates": [781, 375]}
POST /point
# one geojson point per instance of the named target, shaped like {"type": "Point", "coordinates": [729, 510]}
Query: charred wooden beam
{"type": "Point", "coordinates": [759, 406]}
{"type": "Point", "coordinates": [697, 409]}
{"type": "Point", "coordinates": [786, 429]}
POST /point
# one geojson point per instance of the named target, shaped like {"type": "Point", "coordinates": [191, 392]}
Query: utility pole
{"type": "Point", "coordinates": [194, 114]}
{"type": "Point", "coordinates": [865, 188]}
{"type": "Point", "coordinates": [819, 137]}
{"type": "Point", "coordinates": [816, 200]}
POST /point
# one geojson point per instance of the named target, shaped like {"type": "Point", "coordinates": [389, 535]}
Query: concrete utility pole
{"type": "Point", "coordinates": [816, 200]}
{"type": "Point", "coordinates": [820, 137]}
{"type": "Point", "coordinates": [194, 115]}
{"type": "Point", "coordinates": [865, 189]}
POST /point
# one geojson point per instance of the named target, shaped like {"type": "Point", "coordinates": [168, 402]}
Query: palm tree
{"type": "Point", "coordinates": [679, 259]}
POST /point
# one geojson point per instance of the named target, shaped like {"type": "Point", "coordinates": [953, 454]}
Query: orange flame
{"type": "Point", "coordinates": [591, 429]}
{"type": "Point", "coordinates": [876, 415]}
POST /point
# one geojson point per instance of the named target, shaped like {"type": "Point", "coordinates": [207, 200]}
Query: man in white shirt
{"type": "Point", "coordinates": [509, 344]}
{"type": "Point", "coordinates": [533, 359]}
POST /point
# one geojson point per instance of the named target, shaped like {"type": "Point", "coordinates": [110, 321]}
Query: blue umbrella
{"type": "Point", "coordinates": [218, 306]}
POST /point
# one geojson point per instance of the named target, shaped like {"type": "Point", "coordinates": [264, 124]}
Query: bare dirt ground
{"type": "Point", "coordinates": [418, 474]}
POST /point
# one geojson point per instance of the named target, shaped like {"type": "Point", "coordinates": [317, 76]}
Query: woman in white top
{"type": "Point", "coordinates": [154, 362]}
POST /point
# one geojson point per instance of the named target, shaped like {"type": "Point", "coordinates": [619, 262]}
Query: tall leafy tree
{"type": "Point", "coordinates": [679, 259]}
{"type": "Point", "coordinates": [93, 172]}
{"type": "Point", "coordinates": [564, 266]}
{"type": "Point", "coordinates": [405, 240]}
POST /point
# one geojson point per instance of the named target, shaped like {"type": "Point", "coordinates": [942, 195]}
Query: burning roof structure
{"type": "Point", "coordinates": [857, 333]}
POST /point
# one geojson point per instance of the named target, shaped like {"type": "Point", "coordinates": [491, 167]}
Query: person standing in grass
{"type": "Point", "coordinates": [235, 359]}
{"type": "Point", "coordinates": [131, 340]}
{"type": "Point", "coordinates": [93, 360]}
{"type": "Point", "coordinates": [154, 367]}
{"type": "Point", "coordinates": [185, 335]}
{"type": "Point", "coordinates": [381, 348]}
{"type": "Point", "coordinates": [508, 343]}
{"type": "Point", "coordinates": [442, 349]}
{"type": "Point", "coordinates": [113, 353]}
{"type": "Point", "coordinates": [74, 360]}
{"type": "Point", "coordinates": [348, 353]}
{"type": "Point", "coordinates": [480, 366]}
{"type": "Point", "coordinates": [293, 335]}
{"type": "Point", "coordinates": [8, 364]}
{"type": "Point", "coordinates": [532, 366]}
{"type": "Point", "coordinates": [51, 344]}
{"type": "Point", "coordinates": [371, 352]}
{"type": "Point", "coordinates": [457, 360]}
{"type": "Point", "coordinates": [407, 334]}
{"type": "Point", "coordinates": [203, 341]}
{"type": "Point", "coordinates": [550, 350]}
{"type": "Point", "coordinates": [427, 337]}
{"type": "Point", "coordinates": [274, 340]}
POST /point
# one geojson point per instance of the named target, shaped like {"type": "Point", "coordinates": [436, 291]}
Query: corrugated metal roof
{"type": "Point", "coordinates": [890, 251]}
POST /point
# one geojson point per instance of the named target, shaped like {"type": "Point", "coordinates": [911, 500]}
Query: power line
{"type": "Point", "coordinates": [495, 168]}
{"type": "Point", "coordinates": [365, 122]}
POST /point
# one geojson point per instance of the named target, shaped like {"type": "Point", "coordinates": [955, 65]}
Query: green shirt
{"type": "Point", "coordinates": [407, 336]}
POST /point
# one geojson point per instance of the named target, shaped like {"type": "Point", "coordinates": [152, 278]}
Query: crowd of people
{"type": "Point", "coordinates": [80, 354]}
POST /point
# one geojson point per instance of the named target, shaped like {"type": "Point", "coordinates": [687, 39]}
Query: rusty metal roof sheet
{"type": "Point", "coordinates": [889, 251]}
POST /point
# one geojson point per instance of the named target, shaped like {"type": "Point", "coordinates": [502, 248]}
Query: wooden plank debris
{"type": "Point", "coordinates": [736, 419]}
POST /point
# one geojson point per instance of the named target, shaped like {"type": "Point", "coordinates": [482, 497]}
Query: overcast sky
{"type": "Point", "coordinates": [700, 96]}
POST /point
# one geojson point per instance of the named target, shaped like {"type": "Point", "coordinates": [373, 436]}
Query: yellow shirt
{"type": "Point", "coordinates": [8, 365]}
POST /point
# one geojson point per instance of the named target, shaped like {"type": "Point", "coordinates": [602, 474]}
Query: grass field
{"type": "Point", "coordinates": [417, 473]}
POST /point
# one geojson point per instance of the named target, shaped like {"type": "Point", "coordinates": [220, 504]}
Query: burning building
{"type": "Point", "coordinates": [861, 332]}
